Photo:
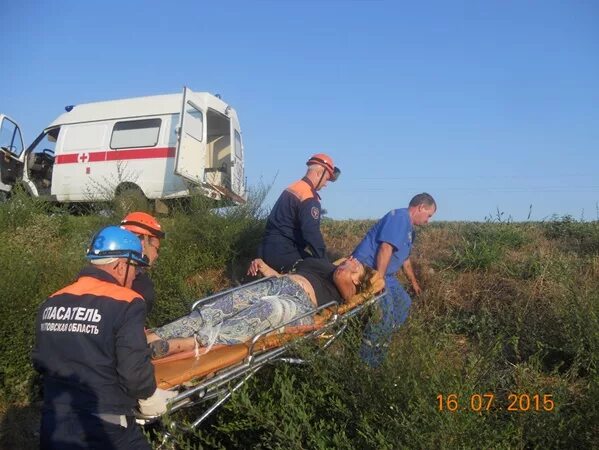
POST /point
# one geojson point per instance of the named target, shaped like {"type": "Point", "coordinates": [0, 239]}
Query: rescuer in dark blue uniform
{"type": "Point", "coordinates": [149, 231]}
{"type": "Point", "coordinates": [91, 349]}
{"type": "Point", "coordinates": [293, 226]}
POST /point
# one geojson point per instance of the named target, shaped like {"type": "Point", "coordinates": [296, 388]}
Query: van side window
{"type": "Point", "coordinates": [135, 133]}
{"type": "Point", "coordinates": [85, 137]}
{"type": "Point", "coordinates": [194, 122]}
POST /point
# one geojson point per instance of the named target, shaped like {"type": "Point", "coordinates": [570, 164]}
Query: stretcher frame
{"type": "Point", "coordinates": [225, 382]}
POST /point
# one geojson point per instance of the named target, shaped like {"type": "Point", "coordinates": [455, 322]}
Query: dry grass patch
{"type": "Point", "coordinates": [435, 243]}
{"type": "Point", "coordinates": [208, 280]}
{"type": "Point", "coordinates": [342, 237]}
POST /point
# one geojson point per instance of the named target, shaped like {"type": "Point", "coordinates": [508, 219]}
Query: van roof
{"type": "Point", "coordinates": [138, 107]}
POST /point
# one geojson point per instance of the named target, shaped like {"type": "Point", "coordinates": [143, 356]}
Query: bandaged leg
{"type": "Point", "coordinates": [201, 321]}
{"type": "Point", "coordinates": [239, 315]}
{"type": "Point", "coordinates": [269, 313]}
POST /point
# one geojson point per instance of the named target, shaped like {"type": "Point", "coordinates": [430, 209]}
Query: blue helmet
{"type": "Point", "coordinates": [115, 242]}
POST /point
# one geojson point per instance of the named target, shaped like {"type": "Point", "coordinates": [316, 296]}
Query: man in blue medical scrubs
{"type": "Point", "coordinates": [386, 247]}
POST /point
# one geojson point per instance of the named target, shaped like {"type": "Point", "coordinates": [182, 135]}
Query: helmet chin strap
{"type": "Point", "coordinates": [127, 270]}
{"type": "Point", "coordinates": [320, 180]}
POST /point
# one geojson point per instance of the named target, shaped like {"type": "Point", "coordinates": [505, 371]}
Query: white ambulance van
{"type": "Point", "coordinates": [162, 147]}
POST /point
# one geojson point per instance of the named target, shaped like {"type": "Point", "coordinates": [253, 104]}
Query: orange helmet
{"type": "Point", "coordinates": [142, 223]}
{"type": "Point", "coordinates": [324, 160]}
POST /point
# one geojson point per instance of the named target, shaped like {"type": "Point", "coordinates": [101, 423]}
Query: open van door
{"type": "Point", "coordinates": [237, 169]}
{"type": "Point", "coordinates": [191, 141]}
{"type": "Point", "coordinates": [11, 149]}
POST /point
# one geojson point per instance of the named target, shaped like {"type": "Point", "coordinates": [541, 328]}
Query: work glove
{"type": "Point", "coordinates": [156, 404]}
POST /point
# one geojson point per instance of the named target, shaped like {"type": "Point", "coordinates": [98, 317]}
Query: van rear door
{"type": "Point", "coordinates": [191, 141]}
{"type": "Point", "coordinates": [237, 170]}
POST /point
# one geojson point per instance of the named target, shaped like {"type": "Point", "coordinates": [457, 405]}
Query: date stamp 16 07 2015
{"type": "Point", "coordinates": [487, 402]}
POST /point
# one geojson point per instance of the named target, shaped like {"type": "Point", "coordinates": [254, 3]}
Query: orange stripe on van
{"type": "Point", "coordinates": [93, 286]}
{"type": "Point", "coordinates": [301, 190]}
{"type": "Point", "coordinates": [116, 155]}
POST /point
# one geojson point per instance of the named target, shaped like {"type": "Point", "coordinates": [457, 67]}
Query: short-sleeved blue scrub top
{"type": "Point", "coordinates": [394, 228]}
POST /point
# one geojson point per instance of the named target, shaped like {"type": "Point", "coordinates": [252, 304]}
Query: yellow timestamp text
{"type": "Point", "coordinates": [487, 401]}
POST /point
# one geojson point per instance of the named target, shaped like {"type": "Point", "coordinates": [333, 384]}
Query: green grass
{"type": "Point", "coordinates": [507, 308]}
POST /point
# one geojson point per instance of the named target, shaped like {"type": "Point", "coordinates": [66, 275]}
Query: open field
{"type": "Point", "coordinates": [506, 332]}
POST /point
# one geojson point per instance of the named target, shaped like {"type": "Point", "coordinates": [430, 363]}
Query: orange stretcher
{"type": "Point", "coordinates": [218, 373]}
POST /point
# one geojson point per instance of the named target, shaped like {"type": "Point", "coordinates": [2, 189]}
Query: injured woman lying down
{"type": "Point", "coordinates": [238, 315]}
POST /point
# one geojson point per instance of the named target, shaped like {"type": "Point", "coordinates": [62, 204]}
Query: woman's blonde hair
{"type": "Point", "coordinates": [366, 279]}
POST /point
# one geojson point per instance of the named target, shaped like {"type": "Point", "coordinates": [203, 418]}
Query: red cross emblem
{"type": "Point", "coordinates": [83, 157]}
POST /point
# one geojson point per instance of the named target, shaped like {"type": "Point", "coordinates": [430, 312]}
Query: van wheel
{"type": "Point", "coordinates": [130, 199]}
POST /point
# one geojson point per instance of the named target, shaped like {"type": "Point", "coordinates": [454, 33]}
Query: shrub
{"type": "Point", "coordinates": [482, 246]}
{"type": "Point", "coordinates": [572, 235]}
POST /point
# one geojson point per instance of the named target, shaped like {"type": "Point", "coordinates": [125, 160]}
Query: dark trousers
{"type": "Point", "coordinates": [279, 257]}
{"type": "Point", "coordinates": [70, 430]}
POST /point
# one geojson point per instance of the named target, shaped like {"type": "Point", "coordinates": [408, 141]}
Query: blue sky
{"type": "Point", "coordinates": [489, 106]}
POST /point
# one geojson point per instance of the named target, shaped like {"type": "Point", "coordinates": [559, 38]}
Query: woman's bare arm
{"type": "Point", "coordinates": [258, 266]}
{"type": "Point", "coordinates": [162, 347]}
